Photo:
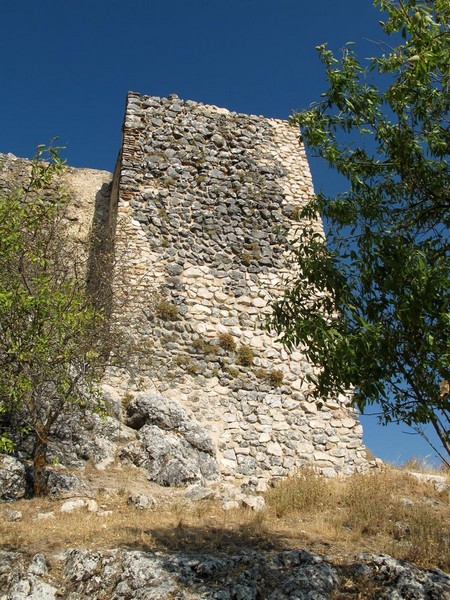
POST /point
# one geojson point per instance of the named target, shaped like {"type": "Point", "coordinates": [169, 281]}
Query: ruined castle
{"type": "Point", "coordinates": [203, 210]}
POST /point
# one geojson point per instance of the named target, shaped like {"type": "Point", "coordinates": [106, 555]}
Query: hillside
{"type": "Point", "coordinates": [123, 537]}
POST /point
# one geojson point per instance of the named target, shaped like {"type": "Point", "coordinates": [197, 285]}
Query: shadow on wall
{"type": "Point", "coordinates": [99, 278]}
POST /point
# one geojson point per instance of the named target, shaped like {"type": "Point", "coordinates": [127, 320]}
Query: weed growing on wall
{"type": "Point", "coordinates": [227, 342]}
{"type": "Point", "coordinates": [167, 311]}
{"type": "Point", "coordinates": [245, 355]}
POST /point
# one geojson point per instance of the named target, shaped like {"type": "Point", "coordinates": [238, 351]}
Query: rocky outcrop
{"type": "Point", "coordinates": [289, 575]}
{"type": "Point", "coordinates": [169, 459]}
{"type": "Point", "coordinates": [158, 435]}
{"type": "Point", "coordinates": [171, 447]}
{"type": "Point", "coordinates": [167, 415]}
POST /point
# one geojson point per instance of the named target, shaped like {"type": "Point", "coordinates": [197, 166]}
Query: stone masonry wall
{"type": "Point", "coordinates": [207, 206]}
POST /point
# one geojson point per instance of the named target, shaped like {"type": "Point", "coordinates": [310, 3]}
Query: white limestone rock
{"type": "Point", "coordinates": [12, 479]}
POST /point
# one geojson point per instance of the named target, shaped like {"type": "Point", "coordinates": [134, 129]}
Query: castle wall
{"type": "Point", "coordinates": [88, 190]}
{"type": "Point", "coordinates": [207, 207]}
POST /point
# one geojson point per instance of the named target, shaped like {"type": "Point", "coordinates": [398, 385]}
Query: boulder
{"type": "Point", "coordinates": [79, 503]}
{"type": "Point", "coordinates": [169, 459]}
{"type": "Point", "coordinates": [113, 400]}
{"type": "Point", "coordinates": [60, 482]}
{"type": "Point", "coordinates": [167, 414]}
{"type": "Point", "coordinates": [256, 503]}
{"type": "Point", "coordinates": [12, 478]}
{"type": "Point", "coordinates": [90, 438]}
{"type": "Point", "coordinates": [439, 482]}
{"type": "Point", "coordinates": [171, 446]}
{"type": "Point", "coordinates": [25, 582]}
{"type": "Point", "coordinates": [195, 493]}
{"type": "Point", "coordinates": [13, 515]}
{"type": "Point", "coordinates": [401, 579]}
{"type": "Point", "coordinates": [142, 502]}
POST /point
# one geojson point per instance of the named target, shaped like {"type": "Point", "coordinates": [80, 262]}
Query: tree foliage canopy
{"type": "Point", "coordinates": [371, 305]}
{"type": "Point", "coordinates": [49, 351]}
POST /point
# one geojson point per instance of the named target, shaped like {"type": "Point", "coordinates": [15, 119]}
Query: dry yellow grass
{"type": "Point", "coordinates": [387, 511]}
{"type": "Point", "coordinates": [180, 525]}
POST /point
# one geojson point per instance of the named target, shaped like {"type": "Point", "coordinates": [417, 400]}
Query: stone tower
{"type": "Point", "coordinates": [207, 203]}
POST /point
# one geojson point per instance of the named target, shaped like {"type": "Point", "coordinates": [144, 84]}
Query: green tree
{"type": "Point", "coordinates": [49, 349]}
{"type": "Point", "coordinates": [371, 304]}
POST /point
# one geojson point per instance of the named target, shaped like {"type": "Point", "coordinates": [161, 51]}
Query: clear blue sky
{"type": "Point", "coordinates": [67, 66]}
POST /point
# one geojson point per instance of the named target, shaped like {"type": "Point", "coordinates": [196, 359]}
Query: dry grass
{"type": "Point", "coordinates": [303, 494]}
{"type": "Point", "coordinates": [421, 465]}
{"type": "Point", "coordinates": [176, 526]}
{"type": "Point", "coordinates": [387, 511]}
{"type": "Point", "coordinates": [383, 512]}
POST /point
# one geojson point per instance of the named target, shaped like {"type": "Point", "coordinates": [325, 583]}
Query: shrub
{"type": "Point", "coordinates": [127, 398]}
{"type": "Point", "coordinates": [261, 373]}
{"type": "Point", "coordinates": [232, 372]}
{"type": "Point", "coordinates": [423, 539]}
{"type": "Point", "coordinates": [296, 213]}
{"type": "Point", "coordinates": [167, 311]}
{"type": "Point", "coordinates": [193, 368]}
{"type": "Point", "coordinates": [366, 502]}
{"type": "Point", "coordinates": [182, 360]}
{"type": "Point", "coordinates": [167, 181]}
{"type": "Point", "coordinates": [204, 346]}
{"type": "Point", "coordinates": [274, 377]}
{"type": "Point", "coordinates": [226, 341]}
{"type": "Point", "coordinates": [245, 355]}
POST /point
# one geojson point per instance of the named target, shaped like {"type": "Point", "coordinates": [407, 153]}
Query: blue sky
{"type": "Point", "coordinates": [67, 66]}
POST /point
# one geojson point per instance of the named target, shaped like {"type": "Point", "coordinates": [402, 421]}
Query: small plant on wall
{"type": "Point", "coordinates": [232, 372]}
{"type": "Point", "coordinates": [167, 311]}
{"type": "Point", "coordinates": [204, 346]}
{"type": "Point", "coordinates": [247, 259]}
{"type": "Point", "coordinates": [226, 341]}
{"type": "Point", "coordinates": [245, 355]}
{"type": "Point", "coordinates": [273, 377]}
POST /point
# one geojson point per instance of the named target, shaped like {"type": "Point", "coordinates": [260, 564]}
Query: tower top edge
{"type": "Point", "coordinates": [174, 98]}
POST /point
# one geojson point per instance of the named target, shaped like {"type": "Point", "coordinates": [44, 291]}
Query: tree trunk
{"type": "Point", "coordinates": [40, 462]}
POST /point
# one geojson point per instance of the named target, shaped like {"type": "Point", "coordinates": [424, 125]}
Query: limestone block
{"type": "Point", "coordinates": [321, 456]}
{"type": "Point", "coordinates": [274, 449]}
{"type": "Point", "coordinates": [221, 297]}
{"type": "Point", "coordinates": [229, 454]}
{"type": "Point", "coordinates": [317, 424]}
{"type": "Point", "coordinates": [194, 272]}
{"type": "Point", "coordinates": [228, 465]}
{"type": "Point", "coordinates": [71, 505]}
{"type": "Point", "coordinates": [199, 309]}
{"type": "Point", "coordinates": [305, 448]}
